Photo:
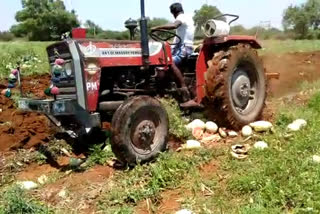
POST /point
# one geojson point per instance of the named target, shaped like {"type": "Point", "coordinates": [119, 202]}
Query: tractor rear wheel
{"type": "Point", "coordinates": [236, 86]}
{"type": "Point", "coordinates": [140, 130]}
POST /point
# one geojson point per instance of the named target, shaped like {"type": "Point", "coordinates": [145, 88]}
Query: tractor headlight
{"type": "Point", "coordinates": [92, 69]}
{"type": "Point", "coordinates": [68, 69]}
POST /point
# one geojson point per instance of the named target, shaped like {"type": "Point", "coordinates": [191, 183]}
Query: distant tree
{"type": "Point", "coordinates": [303, 20]}
{"type": "Point", "coordinates": [6, 36]}
{"type": "Point", "coordinates": [261, 32]}
{"type": "Point", "coordinates": [296, 19]}
{"type": "Point", "coordinates": [157, 22]}
{"type": "Point", "coordinates": [238, 29]}
{"type": "Point", "coordinates": [205, 13]}
{"type": "Point", "coordinates": [117, 35]}
{"type": "Point", "coordinates": [92, 28]}
{"type": "Point", "coordinates": [312, 8]}
{"type": "Point", "coordinates": [44, 20]}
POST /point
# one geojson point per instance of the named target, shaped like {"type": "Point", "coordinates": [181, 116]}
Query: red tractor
{"type": "Point", "coordinates": [100, 78]}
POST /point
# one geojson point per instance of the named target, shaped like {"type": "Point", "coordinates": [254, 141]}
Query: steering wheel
{"type": "Point", "coordinates": [170, 35]}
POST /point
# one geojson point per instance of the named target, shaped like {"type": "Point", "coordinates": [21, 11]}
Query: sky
{"type": "Point", "coordinates": [111, 14]}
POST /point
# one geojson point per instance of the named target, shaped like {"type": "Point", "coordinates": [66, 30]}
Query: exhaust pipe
{"type": "Point", "coordinates": [144, 36]}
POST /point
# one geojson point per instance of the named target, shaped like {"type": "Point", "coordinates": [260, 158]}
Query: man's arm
{"type": "Point", "coordinates": [172, 26]}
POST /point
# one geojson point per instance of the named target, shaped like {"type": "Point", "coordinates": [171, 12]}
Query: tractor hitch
{"type": "Point", "coordinates": [273, 75]}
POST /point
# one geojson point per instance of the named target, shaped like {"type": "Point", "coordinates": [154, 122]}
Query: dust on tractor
{"type": "Point", "coordinates": [96, 79]}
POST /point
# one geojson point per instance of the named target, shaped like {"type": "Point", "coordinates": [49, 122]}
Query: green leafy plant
{"type": "Point", "coordinates": [15, 200]}
{"type": "Point", "coordinates": [99, 155]}
{"type": "Point", "coordinates": [176, 121]}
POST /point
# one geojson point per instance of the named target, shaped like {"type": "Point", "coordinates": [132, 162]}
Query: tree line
{"type": "Point", "coordinates": [45, 20]}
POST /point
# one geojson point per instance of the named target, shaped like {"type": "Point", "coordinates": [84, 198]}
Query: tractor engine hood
{"type": "Point", "coordinates": [111, 53]}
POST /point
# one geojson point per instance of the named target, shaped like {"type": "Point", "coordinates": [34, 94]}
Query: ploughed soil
{"type": "Point", "coordinates": [27, 130]}
{"type": "Point", "coordinates": [20, 129]}
{"type": "Point", "coordinates": [294, 69]}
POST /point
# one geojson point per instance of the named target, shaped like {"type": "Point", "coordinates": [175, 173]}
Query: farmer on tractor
{"type": "Point", "coordinates": [182, 46]}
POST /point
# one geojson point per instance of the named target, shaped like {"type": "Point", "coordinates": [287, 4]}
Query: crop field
{"type": "Point", "coordinates": [284, 178]}
{"type": "Point", "coordinates": [31, 56]}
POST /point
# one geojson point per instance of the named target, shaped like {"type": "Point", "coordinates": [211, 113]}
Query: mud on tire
{"type": "Point", "coordinates": [235, 86]}
{"type": "Point", "coordinates": [140, 130]}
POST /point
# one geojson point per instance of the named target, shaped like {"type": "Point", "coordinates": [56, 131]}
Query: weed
{"type": "Point", "coordinates": [15, 200]}
{"type": "Point", "coordinates": [99, 155]}
{"type": "Point", "coordinates": [120, 210]}
{"type": "Point", "coordinates": [314, 103]}
{"type": "Point", "coordinates": [283, 119]}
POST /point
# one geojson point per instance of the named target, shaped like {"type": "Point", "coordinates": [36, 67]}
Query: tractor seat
{"type": "Point", "coordinates": [197, 48]}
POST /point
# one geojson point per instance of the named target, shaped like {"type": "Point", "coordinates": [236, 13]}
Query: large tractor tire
{"type": "Point", "coordinates": [140, 129]}
{"type": "Point", "coordinates": [235, 86]}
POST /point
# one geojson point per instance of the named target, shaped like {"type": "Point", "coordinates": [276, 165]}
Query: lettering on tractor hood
{"type": "Point", "coordinates": [92, 50]}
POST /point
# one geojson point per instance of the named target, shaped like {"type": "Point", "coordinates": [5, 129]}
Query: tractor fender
{"type": "Point", "coordinates": [233, 40]}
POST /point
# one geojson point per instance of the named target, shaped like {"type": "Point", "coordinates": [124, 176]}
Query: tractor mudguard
{"type": "Point", "coordinates": [233, 40]}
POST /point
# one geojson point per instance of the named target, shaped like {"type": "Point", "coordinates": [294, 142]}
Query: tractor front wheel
{"type": "Point", "coordinates": [236, 86]}
{"type": "Point", "coordinates": [139, 130]}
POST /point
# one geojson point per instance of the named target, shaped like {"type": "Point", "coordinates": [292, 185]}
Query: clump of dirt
{"type": "Point", "coordinates": [21, 129]}
{"type": "Point", "coordinates": [169, 202]}
{"type": "Point", "coordinates": [36, 85]}
{"type": "Point", "coordinates": [82, 188]}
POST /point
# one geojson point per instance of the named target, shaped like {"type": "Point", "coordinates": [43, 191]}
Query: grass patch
{"type": "Point", "coordinates": [289, 46]}
{"type": "Point", "coordinates": [315, 85]}
{"type": "Point", "coordinates": [14, 200]}
{"type": "Point", "coordinates": [15, 163]}
{"type": "Point", "coordinates": [148, 181]}
{"type": "Point", "coordinates": [280, 179]}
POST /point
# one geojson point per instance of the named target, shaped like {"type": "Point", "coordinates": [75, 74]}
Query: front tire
{"type": "Point", "coordinates": [140, 130]}
{"type": "Point", "coordinates": [236, 86]}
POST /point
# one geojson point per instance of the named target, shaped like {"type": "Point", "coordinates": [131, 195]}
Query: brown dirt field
{"type": "Point", "coordinates": [34, 171]}
{"type": "Point", "coordinates": [82, 189]}
{"type": "Point", "coordinates": [294, 69]}
{"type": "Point", "coordinates": [170, 203]}
{"type": "Point", "coordinates": [19, 129]}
